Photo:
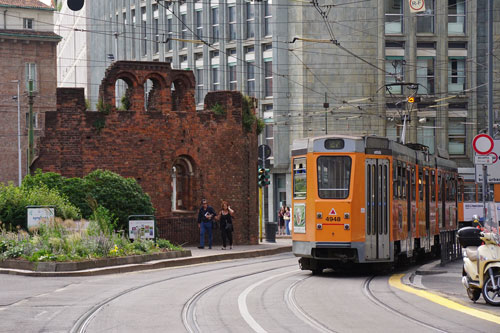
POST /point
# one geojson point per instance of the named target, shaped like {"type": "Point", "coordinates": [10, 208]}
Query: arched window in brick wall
{"type": "Point", "coordinates": [177, 91]}
{"type": "Point", "coordinates": [182, 185]}
{"type": "Point", "coordinates": [123, 94]}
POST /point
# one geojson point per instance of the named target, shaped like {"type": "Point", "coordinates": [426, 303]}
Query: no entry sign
{"type": "Point", "coordinates": [482, 144]}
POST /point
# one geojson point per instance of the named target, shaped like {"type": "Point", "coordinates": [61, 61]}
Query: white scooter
{"type": "Point", "coordinates": [481, 256]}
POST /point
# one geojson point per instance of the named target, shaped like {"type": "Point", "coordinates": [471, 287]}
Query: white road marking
{"type": "Point", "coordinates": [242, 303]}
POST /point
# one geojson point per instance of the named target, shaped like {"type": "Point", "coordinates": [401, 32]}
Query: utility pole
{"type": "Point", "coordinates": [486, 190]}
{"type": "Point", "coordinates": [19, 155]}
{"type": "Point", "coordinates": [30, 131]}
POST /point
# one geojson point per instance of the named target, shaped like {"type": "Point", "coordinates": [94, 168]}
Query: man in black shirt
{"type": "Point", "coordinates": [206, 217]}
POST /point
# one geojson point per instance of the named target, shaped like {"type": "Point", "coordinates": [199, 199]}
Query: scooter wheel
{"type": "Point", "coordinates": [490, 295]}
{"type": "Point", "coordinates": [473, 294]}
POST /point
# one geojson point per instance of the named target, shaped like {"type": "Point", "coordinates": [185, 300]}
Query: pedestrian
{"type": "Point", "coordinates": [206, 217]}
{"type": "Point", "coordinates": [286, 217]}
{"type": "Point", "coordinates": [281, 214]}
{"type": "Point", "coordinates": [225, 218]}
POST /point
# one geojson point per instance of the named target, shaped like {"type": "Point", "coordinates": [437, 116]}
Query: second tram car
{"type": "Point", "coordinates": [368, 200]}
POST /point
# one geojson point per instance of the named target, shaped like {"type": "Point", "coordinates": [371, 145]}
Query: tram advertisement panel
{"type": "Point", "coordinates": [299, 218]}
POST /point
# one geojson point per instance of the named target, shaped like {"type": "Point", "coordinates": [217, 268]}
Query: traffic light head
{"type": "Point", "coordinates": [263, 177]}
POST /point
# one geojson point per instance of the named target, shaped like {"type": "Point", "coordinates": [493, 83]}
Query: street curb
{"type": "Point", "coordinates": [157, 264]}
{"type": "Point", "coordinates": [430, 269]}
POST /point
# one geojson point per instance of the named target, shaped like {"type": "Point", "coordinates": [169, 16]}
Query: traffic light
{"type": "Point", "coordinates": [263, 177]}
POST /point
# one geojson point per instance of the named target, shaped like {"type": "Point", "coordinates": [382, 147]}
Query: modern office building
{"type": "Point", "coordinates": [27, 52]}
{"type": "Point", "coordinates": [316, 68]}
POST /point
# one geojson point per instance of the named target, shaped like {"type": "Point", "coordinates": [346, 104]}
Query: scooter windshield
{"type": "Point", "coordinates": [491, 222]}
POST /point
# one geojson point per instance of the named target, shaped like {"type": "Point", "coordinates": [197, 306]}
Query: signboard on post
{"type": "Point", "coordinates": [493, 168]}
{"type": "Point", "coordinates": [141, 229]}
{"type": "Point", "coordinates": [483, 159]}
{"type": "Point", "coordinates": [40, 214]}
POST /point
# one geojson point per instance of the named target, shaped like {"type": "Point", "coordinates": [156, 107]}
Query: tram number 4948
{"type": "Point", "coordinates": [333, 219]}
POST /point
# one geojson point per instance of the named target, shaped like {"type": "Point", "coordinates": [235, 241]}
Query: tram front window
{"type": "Point", "coordinates": [334, 176]}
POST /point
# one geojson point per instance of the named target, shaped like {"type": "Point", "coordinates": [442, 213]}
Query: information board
{"type": "Point", "coordinates": [37, 215]}
{"type": "Point", "coordinates": [144, 229]}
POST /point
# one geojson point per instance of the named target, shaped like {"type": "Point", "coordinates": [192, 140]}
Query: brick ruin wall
{"type": "Point", "coordinates": [214, 157]}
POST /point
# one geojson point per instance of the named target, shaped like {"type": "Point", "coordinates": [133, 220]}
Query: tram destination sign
{"type": "Point", "coordinates": [493, 169]}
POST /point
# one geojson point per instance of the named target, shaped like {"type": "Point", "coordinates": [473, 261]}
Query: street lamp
{"type": "Point", "coordinates": [18, 129]}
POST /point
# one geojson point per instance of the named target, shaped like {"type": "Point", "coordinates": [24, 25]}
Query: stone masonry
{"type": "Point", "coordinates": [177, 155]}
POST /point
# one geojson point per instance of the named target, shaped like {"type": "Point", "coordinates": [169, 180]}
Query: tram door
{"type": "Point", "coordinates": [427, 211]}
{"type": "Point", "coordinates": [377, 209]}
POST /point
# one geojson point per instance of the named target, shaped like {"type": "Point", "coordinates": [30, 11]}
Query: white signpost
{"type": "Point", "coordinates": [483, 145]}
{"type": "Point", "coordinates": [37, 215]}
{"type": "Point", "coordinates": [493, 168]}
{"type": "Point", "coordinates": [483, 159]}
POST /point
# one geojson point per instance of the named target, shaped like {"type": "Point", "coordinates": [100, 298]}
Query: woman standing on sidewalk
{"type": "Point", "coordinates": [226, 224]}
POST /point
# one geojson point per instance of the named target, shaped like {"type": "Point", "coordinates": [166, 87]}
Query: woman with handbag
{"type": "Point", "coordinates": [225, 218]}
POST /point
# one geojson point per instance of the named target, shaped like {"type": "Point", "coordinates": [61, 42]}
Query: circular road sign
{"type": "Point", "coordinates": [482, 144]}
{"type": "Point", "coordinates": [264, 150]}
{"type": "Point", "coordinates": [495, 157]}
{"type": "Point", "coordinates": [417, 5]}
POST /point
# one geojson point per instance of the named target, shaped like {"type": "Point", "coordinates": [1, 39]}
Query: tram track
{"type": "Point", "coordinates": [297, 310]}
{"type": "Point", "coordinates": [371, 296]}
{"type": "Point", "coordinates": [83, 322]}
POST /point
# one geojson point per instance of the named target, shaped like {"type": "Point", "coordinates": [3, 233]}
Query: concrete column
{"type": "Point", "coordinates": [441, 72]}
{"type": "Point", "coordinates": [410, 29]}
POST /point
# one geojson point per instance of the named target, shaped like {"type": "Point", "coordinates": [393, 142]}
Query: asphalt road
{"type": "Point", "coordinates": [266, 294]}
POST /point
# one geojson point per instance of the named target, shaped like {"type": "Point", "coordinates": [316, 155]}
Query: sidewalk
{"type": "Point", "coordinates": [446, 281]}
{"type": "Point", "coordinates": [198, 256]}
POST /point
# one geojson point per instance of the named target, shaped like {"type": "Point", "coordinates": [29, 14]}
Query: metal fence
{"type": "Point", "coordinates": [450, 247]}
{"type": "Point", "coordinates": [184, 230]}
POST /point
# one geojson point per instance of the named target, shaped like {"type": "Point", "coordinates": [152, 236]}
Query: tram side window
{"type": "Point", "coordinates": [395, 180]}
{"type": "Point", "coordinates": [299, 178]}
{"type": "Point", "coordinates": [413, 185]}
{"type": "Point", "coordinates": [469, 192]}
{"type": "Point", "coordinates": [403, 181]}
{"type": "Point", "coordinates": [433, 186]}
{"type": "Point", "coordinates": [420, 185]}
{"type": "Point", "coordinates": [334, 177]}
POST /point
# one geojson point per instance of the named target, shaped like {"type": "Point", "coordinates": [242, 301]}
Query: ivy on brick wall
{"type": "Point", "coordinates": [249, 117]}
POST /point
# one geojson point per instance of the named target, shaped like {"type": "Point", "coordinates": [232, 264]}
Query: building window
{"type": "Point", "coordinates": [267, 18]}
{"type": "Point", "coordinates": [199, 85]}
{"type": "Point", "coordinates": [250, 79]}
{"type": "Point", "coordinates": [144, 31]}
{"type": "Point", "coordinates": [215, 24]}
{"type": "Point", "coordinates": [183, 24]}
{"type": "Point", "coordinates": [456, 136]}
{"type": "Point", "coordinates": [156, 32]}
{"type": "Point", "coordinates": [215, 78]}
{"type": "Point", "coordinates": [268, 77]}
{"type": "Point", "coordinates": [456, 74]}
{"type": "Point", "coordinates": [250, 20]}
{"type": "Point", "coordinates": [35, 120]}
{"type": "Point", "coordinates": [182, 185]}
{"type": "Point", "coordinates": [393, 16]}
{"type": "Point", "coordinates": [395, 73]}
{"type": "Point", "coordinates": [30, 74]}
{"type": "Point", "coordinates": [425, 75]}
{"type": "Point", "coordinates": [27, 23]}
{"type": "Point", "coordinates": [169, 33]}
{"type": "Point", "coordinates": [425, 20]}
{"type": "Point", "coordinates": [232, 22]}
{"type": "Point", "coordinates": [456, 17]}
{"type": "Point", "coordinates": [426, 132]}
{"type": "Point", "coordinates": [132, 14]}
{"type": "Point", "coordinates": [233, 81]}
{"type": "Point", "coordinates": [183, 62]}
{"type": "Point", "coordinates": [199, 24]}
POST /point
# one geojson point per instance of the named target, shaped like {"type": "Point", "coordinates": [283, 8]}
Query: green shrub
{"type": "Point", "coordinates": [13, 202]}
{"type": "Point", "coordinates": [166, 244]}
{"type": "Point", "coordinates": [121, 196]}
{"type": "Point", "coordinates": [218, 109]}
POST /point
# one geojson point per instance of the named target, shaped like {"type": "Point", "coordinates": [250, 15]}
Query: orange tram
{"type": "Point", "coordinates": [368, 200]}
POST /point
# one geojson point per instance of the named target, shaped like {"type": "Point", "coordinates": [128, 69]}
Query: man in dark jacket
{"type": "Point", "coordinates": [206, 217]}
